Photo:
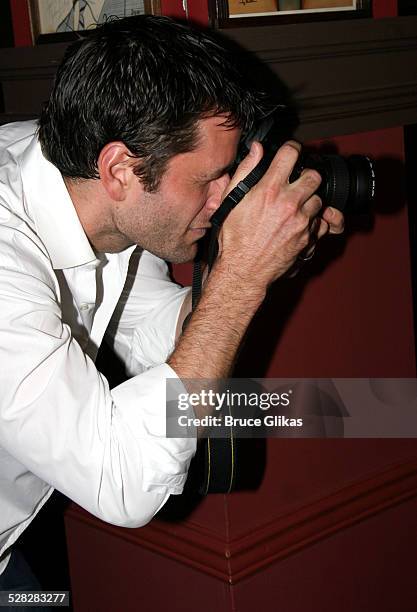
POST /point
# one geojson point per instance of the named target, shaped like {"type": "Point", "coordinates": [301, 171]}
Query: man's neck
{"type": "Point", "coordinates": [94, 211]}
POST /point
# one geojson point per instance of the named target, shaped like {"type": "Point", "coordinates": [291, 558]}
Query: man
{"type": "Point", "coordinates": [130, 161]}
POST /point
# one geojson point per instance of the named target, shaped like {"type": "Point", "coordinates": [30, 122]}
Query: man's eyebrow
{"type": "Point", "coordinates": [218, 173]}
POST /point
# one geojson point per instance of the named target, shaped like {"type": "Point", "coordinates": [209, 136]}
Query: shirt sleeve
{"type": "Point", "coordinates": [143, 326]}
{"type": "Point", "coordinates": [104, 449]}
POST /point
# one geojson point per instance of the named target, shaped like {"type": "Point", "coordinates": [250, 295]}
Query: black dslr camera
{"type": "Point", "coordinates": [347, 184]}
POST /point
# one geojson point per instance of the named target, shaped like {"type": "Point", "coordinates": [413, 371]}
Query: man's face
{"type": "Point", "coordinates": [170, 221]}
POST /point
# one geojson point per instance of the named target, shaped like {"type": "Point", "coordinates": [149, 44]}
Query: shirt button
{"type": "Point", "coordinates": [85, 306]}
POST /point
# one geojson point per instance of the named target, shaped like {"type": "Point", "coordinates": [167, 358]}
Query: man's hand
{"type": "Point", "coordinates": [277, 221]}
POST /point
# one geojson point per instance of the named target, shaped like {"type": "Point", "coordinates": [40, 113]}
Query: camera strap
{"type": "Point", "coordinates": [231, 200]}
{"type": "Point", "coordinates": [234, 197]}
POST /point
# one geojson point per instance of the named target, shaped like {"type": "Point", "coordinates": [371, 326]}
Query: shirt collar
{"type": "Point", "coordinates": [54, 215]}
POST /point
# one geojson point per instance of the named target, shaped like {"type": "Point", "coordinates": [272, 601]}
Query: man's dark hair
{"type": "Point", "coordinates": [145, 81]}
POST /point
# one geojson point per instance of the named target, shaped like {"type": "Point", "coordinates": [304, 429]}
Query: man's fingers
{"type": "Point", "coordinates": [305, 186]}
{"type": "Point", "coordinates": [318, 229]}
{"type": "Point", "coordinates": [283, 163]}
{"type": "Point", "coordinates": [312, 206]}
{"type": "Point", "coordinates": [335, 220]}
{"type": "Point", "coordinates": [246, 166]}
{"type": "Point", "coordinates": [322, 229]}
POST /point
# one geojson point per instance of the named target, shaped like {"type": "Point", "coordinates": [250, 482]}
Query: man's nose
{"type": "Point", "coordinates": [217, 193]}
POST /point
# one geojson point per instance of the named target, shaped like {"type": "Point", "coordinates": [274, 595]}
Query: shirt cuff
{"type": "Point", "coordinates": [141, 403]}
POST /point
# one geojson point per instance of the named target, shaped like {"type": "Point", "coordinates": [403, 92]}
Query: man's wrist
{"type": "Point", "coordinates": [234, 280]}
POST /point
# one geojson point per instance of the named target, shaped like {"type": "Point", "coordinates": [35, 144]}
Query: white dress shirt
{"type": "Point", "coordinates": [60, 425]}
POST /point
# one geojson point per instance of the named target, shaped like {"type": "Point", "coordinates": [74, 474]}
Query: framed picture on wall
{"type": "Point", "coordinates": [54, 20]}
{"type": "Point", "coordinates": [229, 13]}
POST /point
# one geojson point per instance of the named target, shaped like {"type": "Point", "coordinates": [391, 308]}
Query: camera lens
{"type": "Point", "coordinates": [347, 184]}
{"type": "Point", "coordinates": [362, 183]}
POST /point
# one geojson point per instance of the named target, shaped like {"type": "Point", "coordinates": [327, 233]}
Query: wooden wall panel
{"type": "Point", "coordinates": [235, 556]}
{"type": "Point", "coordinates": [369, 567]}
{"type": "Point", "coordinates": [351, 77]}
{"type": "Point", "coordinates": [345, 77]}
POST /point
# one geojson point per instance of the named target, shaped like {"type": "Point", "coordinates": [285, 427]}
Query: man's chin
{"type": "Point", "coordinates": [182, 259]}
{"type": "Point", "coordinates": [185, 255]}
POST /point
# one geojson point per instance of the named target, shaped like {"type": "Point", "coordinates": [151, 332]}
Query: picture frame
{"type": "Point", "coordinates": [61, 20]}
{"type": "Point", "coordinates": [243, 13]}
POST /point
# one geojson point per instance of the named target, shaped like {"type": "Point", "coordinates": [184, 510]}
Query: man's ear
{"type": "Point", "coordinates": [115, 167]}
